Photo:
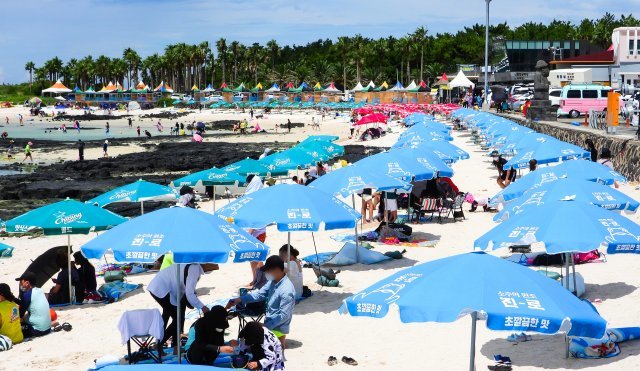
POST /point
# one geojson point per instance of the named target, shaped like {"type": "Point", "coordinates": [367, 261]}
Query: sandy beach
{"type": "Point", "coordinates": [318, 330]}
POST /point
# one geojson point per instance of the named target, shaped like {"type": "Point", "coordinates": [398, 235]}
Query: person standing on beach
{"type": "Point", "coordinates": [105, 145]}
{"type": "Point", "coordinates": [106, 128]}
{"type": "Point", "coordinates": [6, 120]}
{"type": "Point", "coordinates": [20, 117]}
{"type": "Point", "coordinates": [80, 150]}
{"type": "Point", "coordinates": [289, 125]}
{"type": "Point", "coordinates": [251, 113]}
{"type": "Point", "coordinates": [159, 126]}
{"type": "Point", "coordinates": [138, 131]}
{"type": "Point", "coordinates": [130, 122]}
{"type": "Point", "coordinates": [27, 152]}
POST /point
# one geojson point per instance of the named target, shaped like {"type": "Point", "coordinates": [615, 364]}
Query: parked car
{"type": "Point", "coordinates": [518, 101]}
{"type": "Point", "coordinates": [579, 99]}
{"type": "Point", "coordinates": [554, 97]}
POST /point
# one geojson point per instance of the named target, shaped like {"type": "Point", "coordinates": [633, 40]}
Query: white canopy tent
{"type": "Point", "coordinates": [461, 81]}
{"type": "Point", "coordinates": [358, 87]}
{"type": "Point", "coordinates": [371, 85]}
{"type": "Point", "coordinates": [57, 88]}
{"type": "Point", "coordinates": [412, 86]}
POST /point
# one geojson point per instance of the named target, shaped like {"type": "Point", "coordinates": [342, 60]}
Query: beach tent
{"type": "Point", "coordinates": [57, 88]}
{"type": "Point", "coordinates": [274, 88]}
{"type": "Point", "coordinates": [163, 88]}
{"type": "Point", "coordinates": [461, 81]}
{"type": "Point", "coordinates": [90, 90]}
{"type": "Point", "coordinates": [444, 80]}
{"type": "Point", "coordinates": [332, 89]}
{"type": "Point", "coordinates": [317, 86]}
{"type": "Point", "coordinates": [209, 89]}
{"type": "Point", "coordinates": [77, 90]}
{"type": "Point", "coordinates": [240, 88]}
{"type": "Point", "coordinates": [224, 86]}
{"type": "Point", "coordinates": [398, 87]}
{"type": "Point", "coordinates": [412, 86]}
{"type": "Point", "coordinates": [382, 87]}
{"type": "Point", "coordinates": [194, 88]}
{"type": "Point", "coordinates": [119, 87]}
{"type": "Point", "coordinates": [109, 88]}
{"type": "Point", "coordinates": [290, 86]}
{"type": "Point", "coordinates": [257, 88]}
{"type": "Point", "coordinates": [371, 85]}
{"type": "Point", "coordinates": [350, 253]}
{"type": "Point", "coordinates": [358, 87]}
{"type": "Point", "coordinates": [141, 85]}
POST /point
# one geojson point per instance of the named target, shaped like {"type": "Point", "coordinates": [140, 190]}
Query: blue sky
{"type": "Point", "coordinates": [39, 30]}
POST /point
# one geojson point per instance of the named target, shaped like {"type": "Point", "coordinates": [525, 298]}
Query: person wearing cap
{"type": "Point", "coordinates": [9, 315]}
{"type": "Point", "coordinates": [206, 337]}
{"type": "Point", "coordinates": [267, 352]}
{"type": "Point", "coordinates": [505, 177]}
{"type": "Point", "coordinates": [279, 295]}
{"type": "Point", "coordinates": [105, 146]}
{"type": "Point", "coordinates": [34, 307]}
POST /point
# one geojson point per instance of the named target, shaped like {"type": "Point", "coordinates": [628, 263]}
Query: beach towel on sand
{"type": "Point", "coordinates": [113, 291]}
{"type": "Point", "coordinates": [347, 256]}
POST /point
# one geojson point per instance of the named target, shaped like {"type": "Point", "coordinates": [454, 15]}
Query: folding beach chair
{"type": "Point", "coordinates": [144, 327]}
{"type": "Point", "coordinates": [453, 207]}
{"type": "Point", "coordinates": [430, 206]}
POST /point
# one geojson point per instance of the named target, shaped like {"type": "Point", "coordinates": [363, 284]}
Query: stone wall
{"type": "Point", "coordinates": [625, 151]}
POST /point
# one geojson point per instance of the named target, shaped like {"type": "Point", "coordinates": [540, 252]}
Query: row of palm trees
{"type": "Point", "coordinates": [345, 61]}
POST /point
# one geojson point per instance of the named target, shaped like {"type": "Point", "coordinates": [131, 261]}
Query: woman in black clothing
{"type": "Point", "coordinates": [208, 340]}
{"type": "Point", "coordinates": [87, 274]}
{"type": "Point", "coordinates": [505, 177]}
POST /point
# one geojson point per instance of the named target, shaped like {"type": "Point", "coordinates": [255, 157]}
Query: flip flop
{"type": "Point", "coordinates": [332, 361]}
{"type": "Point", "coordinates": [350, 361]}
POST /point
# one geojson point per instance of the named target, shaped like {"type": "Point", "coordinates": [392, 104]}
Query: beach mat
{"type": "Point", "coordinates": [156, 367]}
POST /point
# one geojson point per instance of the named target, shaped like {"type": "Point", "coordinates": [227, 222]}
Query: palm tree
{"type": "Point", "coordinates": [274, 49]}
{"type": "Point", "coordinates": [204, 54]}
{"type": "Point", "coordinates": [419, 37]}
{"type": "Point", "coordinates": [30, 67]}
{"type": "Point", "coordinates": [357, 45]}
{"type": "Point", "coordinates": [343, 45]}
{"type": "Point", "coordinates": [133, 61]}
{"type": "Point", "coordinates": [221, 46]}
{"type": "Point", "coordinates": [235, 46]}
{"type": "Point", "coordinates": [433, 70]}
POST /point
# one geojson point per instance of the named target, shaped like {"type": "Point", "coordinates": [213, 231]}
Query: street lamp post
{"type": "Point", "coordinates": [486, 59]}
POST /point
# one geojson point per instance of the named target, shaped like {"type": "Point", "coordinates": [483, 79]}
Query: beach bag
{"type": "Point", "coordinates": [546, 260]}
{"type": "Point", "coordinates": [113, 276]}
{"type": "Point", "coordinates": [239, 360]}
{"type": "Point", "coordinates": [5, 343]}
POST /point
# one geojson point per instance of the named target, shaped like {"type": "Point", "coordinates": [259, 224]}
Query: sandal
{"type": "Point", "coordinates": [350, 361]}
{"type": "Point", "coordinates": [67, 327]}
{"type": "Point", "coordinates": [332, 361]}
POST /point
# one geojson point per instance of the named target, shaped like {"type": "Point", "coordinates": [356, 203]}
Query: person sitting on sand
{"type": "Point", "coordinates": [187, 197]}
{"type": "Point", "coordinates": [206, 338]}
{"type": "Point", "coordinates": [87, 273]}
{"type": "Point", "coordinates": [59, 294]}
{"type": "Point", "coordinates": [9, 315]}
{"type": "Point", "coordinates": [294, 268]}
{"type": "Point", "coordinates": [34, 308]}
{"type": "Point", "coordinates": [267, 352]}
{"type": "Point", "coordinates": [279, 294]}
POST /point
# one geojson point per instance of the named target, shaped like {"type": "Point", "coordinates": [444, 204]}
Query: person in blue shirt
{"type": "Point", "coordinates": [279, 295]}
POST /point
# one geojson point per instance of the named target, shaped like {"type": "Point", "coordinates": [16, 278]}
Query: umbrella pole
{"type": "Point", "coordinates": [472, 351]}
{"type": "Point", "coordinates": [575, 284]}
{"type": "Point", "coordinates": [566, 271]}
{"type": "Point", "coordinates": [71, 298]}
{"type": "Point", "coordinates": [141, 207]}
{"type": "Point", "coordinates": [289, 251]}
{"type": "Point", "coordinates": [353, 201]}
{"type": "Point", "coordinates": [179, 314]}
{"type": "Point", "coordinates": [213, 196]}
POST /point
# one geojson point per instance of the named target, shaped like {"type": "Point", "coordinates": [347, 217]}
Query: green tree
{"type": "Point", "coordinates": [30, 67]}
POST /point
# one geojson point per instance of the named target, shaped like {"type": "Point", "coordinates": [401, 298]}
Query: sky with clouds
{"type": "Point", "coordinates": [39, 30]}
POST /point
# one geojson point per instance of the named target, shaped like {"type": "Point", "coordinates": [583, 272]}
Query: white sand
{"type": "Point", "coordinates": [318, 331]}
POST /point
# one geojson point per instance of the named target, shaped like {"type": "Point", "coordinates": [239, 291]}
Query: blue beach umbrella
{"type": "Point", "coordinates": [399, 165]}
{"type": "Point", "coordinates": [352, 179]}
{"type": "Point", "coordinates": [251, 166]}
{"type": "Point", "coordinates": [574, 169]}
{"type": "Point", "coordinates": [139, 191]}
{"type": "Point", "coordinates": [565, 227]}
{"type": "Point", "coordinates": [322, 151]}
{"type": "Point", "coordinates": [445, 151]}
{"type": "Point", "coordinates": [290, 159]}
{"type": "Point", "coordinates": [65, 218]}
{"type": "Point", "coordinates": [291, 207]}
{"type": "Point", "coordinates": [569, 189]}
{"type": "Point", "coordinates": [509, 296]}
{"type": "Point", "coordinates": [210, 177]}
{"type": "Point", "coordinates": [545, 153]}
{"type": "Point", "coordinates": [192, 236]}
{"type": "Point", "coordinates": [319, 138]}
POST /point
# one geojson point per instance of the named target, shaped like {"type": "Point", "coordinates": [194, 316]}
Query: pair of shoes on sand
{"type": "Point", "coordinates": [348, 360]}
{"type": "Point", "coordinates": [519, 338]}
{"type": "Point", "coordinates": [503, 363]}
